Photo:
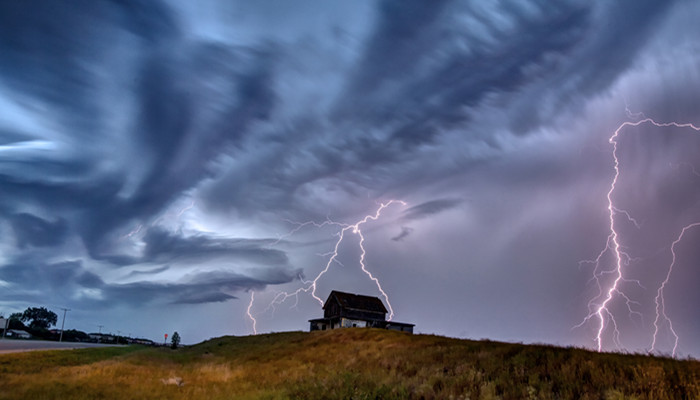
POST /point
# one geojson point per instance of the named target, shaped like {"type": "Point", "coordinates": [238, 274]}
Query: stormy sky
{"type": "Point", "coordinates": [158, 160]}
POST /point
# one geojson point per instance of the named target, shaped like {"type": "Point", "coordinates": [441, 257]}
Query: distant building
{"type": "Point", "coordinates": [146, 342]}
{"type": "Point", "coordinates": [102, 338]}
{"type": "Point", "coordinates": [18, 334]}
{"type": "Point", "coordinates": [347, 310]}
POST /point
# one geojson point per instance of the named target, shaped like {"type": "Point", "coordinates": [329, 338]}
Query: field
{"type": "Point", "coordinates": [344, 364]}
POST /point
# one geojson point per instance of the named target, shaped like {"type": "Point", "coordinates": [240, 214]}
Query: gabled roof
{"type": "Point", "coordinates": [357, 302]}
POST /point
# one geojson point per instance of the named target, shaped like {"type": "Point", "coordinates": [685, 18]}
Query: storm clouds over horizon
{"type": "Point", "coordinates": [155, 156]}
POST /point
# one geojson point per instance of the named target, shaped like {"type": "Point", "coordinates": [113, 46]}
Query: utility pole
{"type": "Point", "coordinates": [6, 323]}
{"type": "Point", "coordinates": [60, 339]}
{"type": "Point", "coordinates": [99, 339]}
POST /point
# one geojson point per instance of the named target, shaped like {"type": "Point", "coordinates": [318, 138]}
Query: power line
{"type": "Point", "coordinates": [99, 337]}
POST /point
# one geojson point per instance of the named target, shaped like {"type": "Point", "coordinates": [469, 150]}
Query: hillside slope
{"type": "Point", "coordinates": [342, 364]}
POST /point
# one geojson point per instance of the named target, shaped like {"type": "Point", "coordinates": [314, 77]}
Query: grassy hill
{"type": "Point", "coordinates": [344, 364]}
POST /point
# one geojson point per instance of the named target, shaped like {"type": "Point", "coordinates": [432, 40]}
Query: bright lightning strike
{"type": "Point", "coordinates": [660, 306]}
{"type": "Point", "coordinates": [133, 231]}
{"type": "Point", "coordinates": [250, 305]}
{"type": "Point", "coordinates": [601, 311]}
{"type": "Point", "coordinates": [345, 229]}
{"type": "Point", "coordinates": [167, 216]}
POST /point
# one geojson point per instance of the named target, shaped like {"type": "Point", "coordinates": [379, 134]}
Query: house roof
{"type": "Point", "coordinates": [357, 302]}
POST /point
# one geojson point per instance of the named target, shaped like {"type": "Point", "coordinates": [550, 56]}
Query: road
{"type": "Point", "coordinates": [14, 346]}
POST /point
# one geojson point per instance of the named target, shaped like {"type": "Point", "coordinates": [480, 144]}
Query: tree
{"type": "Point", "coordinates": [16, 321]}
{"type": "Point", "coordinates": [39, 317]}
{"type": "Point", "coordinates": [175, 341]}
{"type": "Point", "coordinates": [72, 335]}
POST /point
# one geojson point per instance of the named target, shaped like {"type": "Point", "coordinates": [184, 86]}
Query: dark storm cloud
{"type": "Point", "coordinates": [405, 231]}
{"type": "Point", "coordinates": [58, 282]}
{"type": "Point", "coordinates": [180, 133]}
{"type": "Point", "coordinates": [201, 298]}
{"type": "Point", "coordinates": [162, 246]}
{"type": "Point", "coordinates": [149, 272]}
{"type": "Point", "coordinates": [430, 208]}
{"type": "Point", "coordinates": [424, 210]}
{"type": "Point", "coordinates": [89, 280]}
{"type": "Point", "coordinates": [435, 60]}
{"type": "Point", "coordinates": [146, 293]}
{"type": "Point", "coordinates": [421, 67]}
{"type": "Point", "coordinates": [8, 136]}
{"type": "Point", "coordinates": [32, 230]}
{"type": "Point", "coordinates": [34, 275]}
{"type": "Point", "coordinates": [421, 70]}
{"type": "Point", "coordinates": [613, 38]}
{"type": "Point", "coordinates": [49, 49]}
{"type": "Point", "coordinates": [444, 69]}
{"type": "Point", "coordinates": [403, 33]}
{"type": "Point", "coordinates": [204, 287]}
{"type": "Point", "coordinates": [182, 122]}
{"type": "Point", "coordinates": [177, 119]}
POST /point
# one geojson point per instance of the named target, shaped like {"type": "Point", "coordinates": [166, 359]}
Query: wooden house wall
{"type": "Point", "coordinates": [333, 309]}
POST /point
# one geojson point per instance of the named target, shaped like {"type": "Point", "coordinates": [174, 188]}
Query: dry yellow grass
{"type": "Point", "coordinates": [351, 363]}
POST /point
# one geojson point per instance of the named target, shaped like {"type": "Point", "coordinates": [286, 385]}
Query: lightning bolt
{"type": "Point", "coordinates": [633, 115]}
{"type": "Point", "coordinates": [345, 229]}
{"type": "Point", "coordinates": [660, 305]}
{"type": "Point", "coordinates": [168, 215]}
{"type": "Point", "coordinates": [133, 232]}
{"type": "Point", "coordinates": [250, 315]}
{"type": "Point", "coordinates": [601, 312]}
{"type": "Point", "coordinates": [179, 214]}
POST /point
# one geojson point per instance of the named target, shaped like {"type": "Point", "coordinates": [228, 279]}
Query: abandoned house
{"type": "Point", "coordinates": [347, 310]}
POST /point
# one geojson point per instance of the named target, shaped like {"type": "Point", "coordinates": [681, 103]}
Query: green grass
{"type": "Point", "coordinates": [344, 364]}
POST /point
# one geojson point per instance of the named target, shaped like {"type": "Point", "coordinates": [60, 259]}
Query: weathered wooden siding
{"type": "Point", "coordinates": [352, 323]}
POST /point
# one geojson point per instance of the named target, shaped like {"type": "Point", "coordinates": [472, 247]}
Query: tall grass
{"type": "Point", "coordinates": [344, 364]}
